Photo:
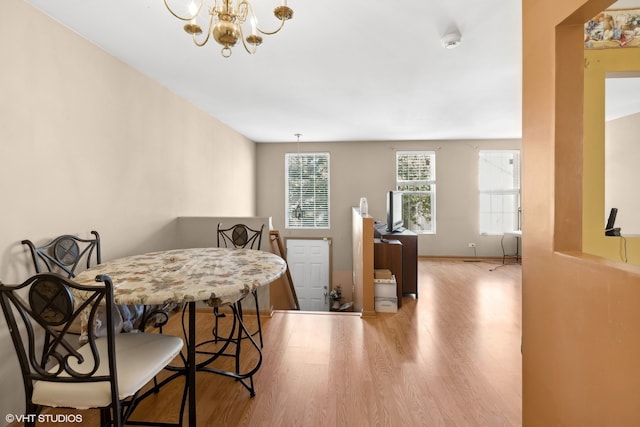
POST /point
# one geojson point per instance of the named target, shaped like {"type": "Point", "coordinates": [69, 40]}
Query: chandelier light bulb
{"type": "Point", "coordinates": [193, 9]}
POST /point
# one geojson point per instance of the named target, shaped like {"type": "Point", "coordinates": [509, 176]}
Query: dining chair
{"type": "Point", "coordinates": [106, 372]}
{"type": "Point", "coordinates": [240, 236]}
{"type": "Point", "coordinates": [67, 253]}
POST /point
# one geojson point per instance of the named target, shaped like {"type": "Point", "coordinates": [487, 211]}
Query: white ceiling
{"type": "Point", "coordinates": [354, 70]}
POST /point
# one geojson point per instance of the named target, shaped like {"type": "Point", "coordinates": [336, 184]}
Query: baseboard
{"type": "Point", "coordinates": [247, 311]}
{"type": "Point", "coordinates": [320, 313]}
{"type": "Point", "coordinates": [461, 258]}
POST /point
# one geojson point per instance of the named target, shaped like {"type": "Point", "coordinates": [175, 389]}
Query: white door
{"type": "Point", "coordinates": [309, 265]}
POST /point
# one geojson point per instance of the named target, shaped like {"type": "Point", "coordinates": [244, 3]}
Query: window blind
{"type": "Point", "coordinates": [307, 190]}
{"type": "Point", "coordinates": [415, 177]}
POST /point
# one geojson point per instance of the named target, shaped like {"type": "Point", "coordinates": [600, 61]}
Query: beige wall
{"type": "Point", "coordinates": [367, 169]}
{"type": "Point", "coordinates": [580, 312]}
{"type": "Point", "coordinates": [88, 143]}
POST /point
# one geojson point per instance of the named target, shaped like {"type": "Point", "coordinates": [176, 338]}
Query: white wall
{"type": "Point", "coordinates": [367, 169]}
{"type": "Point", "coordinates": [88, 143]}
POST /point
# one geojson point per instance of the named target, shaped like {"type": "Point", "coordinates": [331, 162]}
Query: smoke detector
{"type": "Point", "coordinates": [451, 40]}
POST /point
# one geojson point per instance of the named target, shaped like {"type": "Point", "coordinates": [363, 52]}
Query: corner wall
{"type": "Point", "coordinates": [580, 312]}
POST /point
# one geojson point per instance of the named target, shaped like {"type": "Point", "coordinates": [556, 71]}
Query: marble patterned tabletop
{"type": "Point", "coordinates": [217, 276]}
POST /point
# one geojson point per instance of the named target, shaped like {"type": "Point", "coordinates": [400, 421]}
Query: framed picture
{"type": "Point", "coordinates": [613, 29]}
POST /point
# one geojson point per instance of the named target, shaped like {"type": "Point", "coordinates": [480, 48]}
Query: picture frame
{"type": "Point", "coordinates": [615, 28]}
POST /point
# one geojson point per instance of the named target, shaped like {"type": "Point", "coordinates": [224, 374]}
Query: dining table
{"type": "Point", "coordinates": [216, 276]}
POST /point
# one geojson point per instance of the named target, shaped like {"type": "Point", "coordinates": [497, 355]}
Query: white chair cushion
{"type": "Point", "coordinates": [139, 357]}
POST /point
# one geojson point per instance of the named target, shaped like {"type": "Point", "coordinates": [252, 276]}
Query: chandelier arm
{"type": "Point", "coordinates": [182, 18]}
{"type": "Point", "coordinates": [270, 33]}
{"type": "Point", "coordinates": [244, 43]}
{"type": "Point", "coordinates": [206, 39]}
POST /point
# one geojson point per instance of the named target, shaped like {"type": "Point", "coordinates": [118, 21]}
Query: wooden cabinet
{"type": "Point", "coordinates": [409, 241]}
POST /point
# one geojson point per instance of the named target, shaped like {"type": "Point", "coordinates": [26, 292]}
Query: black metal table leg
{"type": "Point", "coordinates": [191, 364]}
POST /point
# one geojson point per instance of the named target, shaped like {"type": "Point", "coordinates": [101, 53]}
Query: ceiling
{"type": "Point", "coordinates": [339, 70]}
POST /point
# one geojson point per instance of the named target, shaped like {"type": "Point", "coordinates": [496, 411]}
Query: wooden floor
{"type": "Point", "coordinates": [450, 358]}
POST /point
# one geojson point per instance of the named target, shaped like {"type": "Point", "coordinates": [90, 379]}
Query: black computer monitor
{"type": "Point", "coordinates": [395, 220]}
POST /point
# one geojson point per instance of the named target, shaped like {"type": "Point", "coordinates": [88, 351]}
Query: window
{"type": "Point", "coordinates": [499, 184]}
{"type": "Point", "coordinates": [416, 178]}
{"type": "Point", "coordinates": [307, 190]}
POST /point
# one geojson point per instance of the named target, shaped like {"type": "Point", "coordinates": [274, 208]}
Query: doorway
{"type": "Point", "coordinates": [308, 261]}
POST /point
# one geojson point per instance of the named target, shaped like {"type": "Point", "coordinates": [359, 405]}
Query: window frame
{"type": "Point", "coordinates": [515, 191]}
{"type": "Point", "coordinates": [288, 208]}
{"type": "Point", "coordinates": [430, 182]}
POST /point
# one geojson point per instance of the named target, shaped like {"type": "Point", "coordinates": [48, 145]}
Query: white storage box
{"type": "Point", "coordinates": [386, 304]}
{"type": "Point", "coordinates": [385, 288]}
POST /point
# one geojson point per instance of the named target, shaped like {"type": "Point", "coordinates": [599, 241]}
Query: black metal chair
{"type": "Point", "coordinates": [65, 254]}
{"type": "Point", "coordinates": [240, 236]}
{"type": "Point", "coordinates": [106, 373]}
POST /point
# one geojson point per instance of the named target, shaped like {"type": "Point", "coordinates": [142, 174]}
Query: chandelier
{"type": "Point", "coordinates": [227, 21]}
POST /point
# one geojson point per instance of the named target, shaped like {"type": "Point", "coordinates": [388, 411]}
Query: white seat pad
{"type": "Point", "coordinates": [139, 357]}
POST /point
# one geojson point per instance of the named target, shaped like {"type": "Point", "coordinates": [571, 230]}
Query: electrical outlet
{"type": "Point", "coordinates": [472, 245]}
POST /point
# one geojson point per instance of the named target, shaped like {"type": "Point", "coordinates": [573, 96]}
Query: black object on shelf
{"type": "Point", "coordinates": [609, 229]}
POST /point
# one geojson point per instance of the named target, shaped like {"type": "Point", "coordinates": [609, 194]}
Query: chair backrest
{"type": "Point", "coordinates": [240, 236]}
{"type": "Point", "coordinates": [50, 305]}
{"type": "Point", "coordinates": [65, 253]}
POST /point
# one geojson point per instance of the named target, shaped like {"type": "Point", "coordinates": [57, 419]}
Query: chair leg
{"type": "Point", "coordinates": [216, 315]}
{"type": "Point", "coordinates": [239, 339]}
{"type": "Point", "coordinates": [105, 416]}
{"type": "Point", "coordinates": [32, 412]}
{"type": "Point", "coordinates": [244, 333]}
{"type": "Point", "coordinates": [255, 297]}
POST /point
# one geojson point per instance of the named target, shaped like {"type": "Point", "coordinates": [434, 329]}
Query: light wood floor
{"type": "Point", "coordinates": [450, 358]}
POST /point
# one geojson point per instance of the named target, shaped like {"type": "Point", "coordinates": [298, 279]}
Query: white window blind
{"type": "Point", "coordinates": [307, 190]}
{"type": "Point", "coordinates": [499, 185]}
{"type": "Point", "coordinates": [416, 178]}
